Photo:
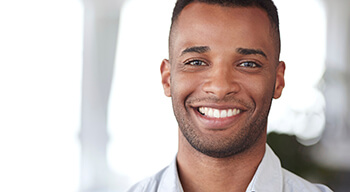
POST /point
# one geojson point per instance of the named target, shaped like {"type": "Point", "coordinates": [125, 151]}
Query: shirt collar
{"type": "Point", "coordinates": [171, 181]}
{"type": "Point", "coordinates": [267, 178]}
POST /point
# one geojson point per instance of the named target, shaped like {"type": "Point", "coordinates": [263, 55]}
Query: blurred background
{"type": "Point", "coordinates": [82, 107]}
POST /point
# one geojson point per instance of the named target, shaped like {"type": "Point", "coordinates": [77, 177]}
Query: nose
{"type": "Point", "coordinates": [220, 82]}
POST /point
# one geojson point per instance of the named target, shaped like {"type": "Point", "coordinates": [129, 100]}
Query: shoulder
{"type": "Point", "coordinates": [293, 182]}
{"type": "Point", "coordinates": [166, 180]}
{"type": "Point", "coordinates": [150, 184]}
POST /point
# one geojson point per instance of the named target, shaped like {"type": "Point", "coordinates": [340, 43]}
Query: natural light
{"type": "Point", "coordinates": [41, 83]}
{"type": "Point", "coordinates": [40, 91]}
{"type": "Point", "coordinates": [142, 126]}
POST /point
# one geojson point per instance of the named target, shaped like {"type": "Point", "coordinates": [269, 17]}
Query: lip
{"type": "Point", "coordinates": [219, 106]}
{"type": "Point", "coordinates": [216, 124]}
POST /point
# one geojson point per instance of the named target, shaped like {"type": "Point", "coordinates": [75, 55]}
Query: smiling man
{"type": "Point", "coordinates": [222, 75]}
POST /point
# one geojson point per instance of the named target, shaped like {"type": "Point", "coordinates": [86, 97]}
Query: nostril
{"type": "Point", "coordinates": [221, 89]}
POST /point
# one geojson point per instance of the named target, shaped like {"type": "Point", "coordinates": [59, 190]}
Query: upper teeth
{"type": "Point", "coordinates": [218, 113]}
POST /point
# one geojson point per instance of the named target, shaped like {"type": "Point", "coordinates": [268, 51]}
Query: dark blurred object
{"type": "Point", "coordinates": [297, 158]}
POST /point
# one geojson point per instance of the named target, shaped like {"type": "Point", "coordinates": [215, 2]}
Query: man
{"type": "Point", "coordinates": [222, 74]}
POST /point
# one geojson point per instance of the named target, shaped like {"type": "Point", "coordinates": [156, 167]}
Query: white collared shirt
{"type": "Point", "coordinates": [269, 177]}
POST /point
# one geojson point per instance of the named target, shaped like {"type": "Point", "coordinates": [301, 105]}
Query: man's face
{"type": "Point", "coordinates": [222, 76]}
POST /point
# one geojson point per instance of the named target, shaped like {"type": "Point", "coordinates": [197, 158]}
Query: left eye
{"type": "Point", "coordinates": [248, 64]}
{"type": "Point", "coordinates": [196, 63]}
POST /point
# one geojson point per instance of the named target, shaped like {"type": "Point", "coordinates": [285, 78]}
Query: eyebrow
{"type": "Point", "coordinates": [196, 49]}
{"type": "Point", "coordinates": [245, 51]}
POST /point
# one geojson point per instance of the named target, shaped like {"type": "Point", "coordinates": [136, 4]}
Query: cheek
{"type": "Point", "coordinates": [184, 85]}
{"type": "Point", "coordinates": [260, 89]}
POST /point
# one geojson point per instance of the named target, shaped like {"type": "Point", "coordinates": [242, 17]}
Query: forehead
{"type": "Point", "coordinates": [222, 27]}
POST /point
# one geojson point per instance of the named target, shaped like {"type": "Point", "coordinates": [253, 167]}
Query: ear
{"type": "Point", "coordinates": [165, 73]}
{"type": "Point", "coordinates": [279, 79]}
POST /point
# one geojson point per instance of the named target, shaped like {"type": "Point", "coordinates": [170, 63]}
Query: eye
{"type": "Point", "coordinates": [196, 63]}
{"type": "Point", "coordinates": [249, 64]}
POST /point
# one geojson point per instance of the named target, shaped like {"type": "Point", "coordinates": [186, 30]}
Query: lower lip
{"type": "Point", "coordinates": [216, 124]}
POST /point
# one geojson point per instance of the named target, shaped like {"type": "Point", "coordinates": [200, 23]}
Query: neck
{"type": "Point", "coordinates": [199, 172]}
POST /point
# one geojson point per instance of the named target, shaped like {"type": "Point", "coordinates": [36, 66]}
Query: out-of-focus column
{"type": "Point", "coordinates": [334, 148]}
{"type": "Point", "coordinates": [101, 18]}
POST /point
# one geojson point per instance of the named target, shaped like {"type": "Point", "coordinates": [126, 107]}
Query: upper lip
{"type": "Point", "coordinates": [221, 106]}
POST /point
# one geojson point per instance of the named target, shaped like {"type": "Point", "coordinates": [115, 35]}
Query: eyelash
{"type": "Point", "coordinates": [250, 63]}
{"type": "Point", "coordinates": [195, 63]}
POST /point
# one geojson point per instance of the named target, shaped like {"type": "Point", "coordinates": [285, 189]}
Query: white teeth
{"type": "Point", "coordinates": [229, 113]}
{"type": "Point", "coordinates": [223, 114]}
{"type": "Point", "coordinates": [218, 113]}
{"type": "Point", "coordinates": [202, 110]}
{"type": "Point", "coordinates": [210, 112]}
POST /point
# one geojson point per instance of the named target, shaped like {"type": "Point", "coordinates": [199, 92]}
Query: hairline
{"type": "Point", "coordinates": [275, 32]}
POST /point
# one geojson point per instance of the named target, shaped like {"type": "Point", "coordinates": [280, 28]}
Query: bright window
{"type": "Point", "coordinates": [141, 124]}
{"type": "Point", "coordinates": [40, 91]}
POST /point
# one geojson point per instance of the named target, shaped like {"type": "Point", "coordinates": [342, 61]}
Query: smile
{"type": "Point", "coordinates": [218, 113]}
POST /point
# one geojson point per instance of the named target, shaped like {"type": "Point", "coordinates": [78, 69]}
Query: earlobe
{"type": "Point", "coordinates": [279, 79]}
{"type": "Point", "coordinates": [165, 73]}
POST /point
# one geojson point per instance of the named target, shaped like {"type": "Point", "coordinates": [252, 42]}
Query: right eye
{"type": "Point", "coordinates": [196, 63]}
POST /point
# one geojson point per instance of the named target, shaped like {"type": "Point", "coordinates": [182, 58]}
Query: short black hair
{"type": "Point", "coordinates": [267, 5]}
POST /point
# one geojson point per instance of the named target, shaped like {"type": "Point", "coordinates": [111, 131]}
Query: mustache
{"type": "Point", "coordinates": [226, 99]}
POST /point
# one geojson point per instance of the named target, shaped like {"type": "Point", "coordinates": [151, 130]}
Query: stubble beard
{"type": "Point", "coordinates": [222, 147]}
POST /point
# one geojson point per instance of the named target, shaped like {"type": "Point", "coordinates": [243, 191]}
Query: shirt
{"type": "Point", "coordinates": [269, 177]}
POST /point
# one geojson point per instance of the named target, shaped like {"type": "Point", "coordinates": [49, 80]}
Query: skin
{"type": "Point", "coordinates": [222, 58]}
